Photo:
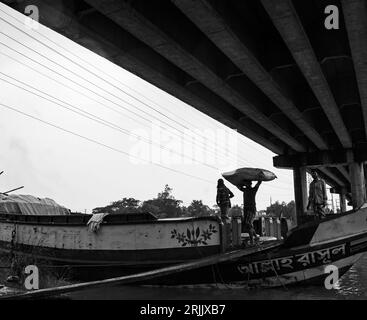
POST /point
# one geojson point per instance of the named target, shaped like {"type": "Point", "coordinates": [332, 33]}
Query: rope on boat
{"type": "Point", "coordinates": [276, 273]}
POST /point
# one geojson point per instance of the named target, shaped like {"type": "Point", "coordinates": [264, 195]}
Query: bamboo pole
{"type": "Point", "coordinates": [6, 193]}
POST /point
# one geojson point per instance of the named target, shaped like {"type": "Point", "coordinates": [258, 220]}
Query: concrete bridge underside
{"type": "Point", "coordinates": [268, 68]}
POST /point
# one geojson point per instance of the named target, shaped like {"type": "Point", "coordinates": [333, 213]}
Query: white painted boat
{"type": "Point", "coordinates": [126, 240]}
{"type": "Point", "coordinates": [132, 243]}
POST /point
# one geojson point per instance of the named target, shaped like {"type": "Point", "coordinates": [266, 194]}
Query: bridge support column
{"type": "Point", "coordinates": [343, 204]}
{"type": "Point", "coordinates": [357, 184]}
{"type": "Point", "coordinates": [300, 192]}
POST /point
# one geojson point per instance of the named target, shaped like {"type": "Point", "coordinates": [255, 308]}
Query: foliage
{"type": "Point", "coordinates": [164, 205]}
{"type": "Point", "coordinates": [126, 205]}
{"type": "Point", "coordinates": [286, 210]}
{"type": "Point", "coordinates": [198, 209]}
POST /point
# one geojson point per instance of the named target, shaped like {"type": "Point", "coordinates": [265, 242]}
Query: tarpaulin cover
{"type": "Point", "coordinates": [239, 176]}
{"type": "Point", "coordinates": [30, 205]}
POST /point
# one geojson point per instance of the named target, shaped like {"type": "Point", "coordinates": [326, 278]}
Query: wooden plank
{"type": "Point", "coordinates": [215, 259]}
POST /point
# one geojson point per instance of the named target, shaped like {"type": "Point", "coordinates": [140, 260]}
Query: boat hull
{"type": "Point", "coordinates": [303, 258]}
{"type": "Point", "coordinates": [266, 268]}
{"type": "Point", "coordinates": [133, 247]}
{"type": "Point", "coordinates": [120, 240]}
{"type": "Point", "coordinates": [275, 268]}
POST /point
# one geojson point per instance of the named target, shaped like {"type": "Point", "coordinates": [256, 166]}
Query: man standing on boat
{"type": "Point", "coordinates": [223, 199]}
{"type": "Point", "coordinates": [249, 207]}
{"type": "Point", "coordinates": [317, 199]}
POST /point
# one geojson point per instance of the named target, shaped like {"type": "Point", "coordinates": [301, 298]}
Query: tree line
{"type": "Point", "coordinates": [165, 205]}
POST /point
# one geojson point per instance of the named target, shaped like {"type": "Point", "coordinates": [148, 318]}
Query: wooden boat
{"type": "Point", "coordinates": [340, 241]}
{"type": "Point", "coordinates": [132, 243]}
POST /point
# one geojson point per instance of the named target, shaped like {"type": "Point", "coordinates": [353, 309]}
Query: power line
{"type": "Point", "coordinates": [103, 98]}
{"type": "Point", "coordinates": [49, 77]}
{"type": "Point", "coordinates": [79, 65]}
{"type": "Point", "coordinates": [91, 65]}
{"type": "Point", "coordinates": [59, 82]}
{"type": "Point", "coordinates": [88, 70]}
{"type": "Point", "coordinates": [52, 79]}
{"type": "Point", "coordinates": [12, 58]}
{"type": "Point", "coordinates": [93, 117]}
{"type": "Point", "coordinates": [74, 72]}
{"type": "Point", "coordinates": [87, 80]}
{"type": "Point", "coordinates": [104, 145]}
{"type": "Point", "coordinates": [99, 143]}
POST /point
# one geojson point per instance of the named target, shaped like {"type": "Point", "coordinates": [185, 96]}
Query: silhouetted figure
{"type": "Point", "coordinates": [249, 207]}
{"type": "Point", "coordinates": [223, 199]}
{"type": "Point", "coordinates": [317, 199]}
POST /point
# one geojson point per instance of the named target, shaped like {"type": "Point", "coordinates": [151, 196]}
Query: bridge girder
{"type": "Point", "coordinates": [301, 99]}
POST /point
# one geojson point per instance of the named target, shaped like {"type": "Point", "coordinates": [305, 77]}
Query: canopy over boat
{"type": "Point", "coordinates": [30, 205]}
{"type": "Point", "coordinates": [239, 176]}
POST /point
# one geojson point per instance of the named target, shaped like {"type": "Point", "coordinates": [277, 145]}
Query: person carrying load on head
{"type": "Point", "coordinates": [317, 198]}
{"type": "Point", "coordinates": [223, 199]}
{"type": "Point", "coordinates": [249, 207]}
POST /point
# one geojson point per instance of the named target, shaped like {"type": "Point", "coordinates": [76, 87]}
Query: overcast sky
{"type": "Point", "coordinates": [82, 174]}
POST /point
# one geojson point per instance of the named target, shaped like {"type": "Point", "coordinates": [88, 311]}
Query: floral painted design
{"type": "Point", "coordinates": [194, 237]}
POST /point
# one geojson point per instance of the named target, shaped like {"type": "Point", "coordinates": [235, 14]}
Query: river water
{"type": "Point", "coordinates": [353, 285]}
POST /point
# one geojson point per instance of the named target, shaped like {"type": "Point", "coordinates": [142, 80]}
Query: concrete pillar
{"type": "Point", "coordinates": [236, 231]}
{"type": "Point", "coordinates": [226, 234]}
{"type": "Point", "coordinates": [279, 229]}
{"type": "Point", "coordinates": [300, 192]}
{"type": "Point", "coordinates": [343, 204]}
{"type": "Point", "coordinates": [228, 227]}
{"type": "Point", "coordinates": [357, 184]}
{"type": "Point", "coordinates": [224, 238]}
